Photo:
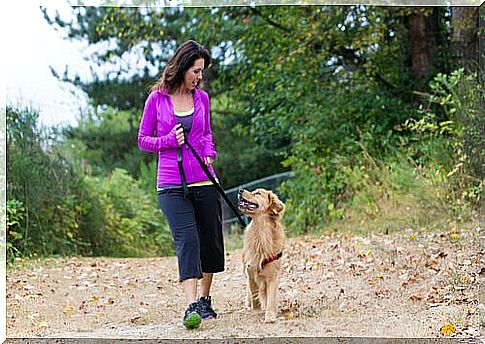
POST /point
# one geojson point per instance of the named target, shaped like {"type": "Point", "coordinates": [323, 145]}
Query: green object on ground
{"type": "Point", "coordinates": [192, 321]}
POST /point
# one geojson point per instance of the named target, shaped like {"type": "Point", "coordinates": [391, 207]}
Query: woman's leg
{"type": "Point", "coordinates": [190, 290]}
{"type": "Point", "coordinates": [179, 212]}
{"type": "Point", "coordinates": [208, 215]}
{"type": "Point", "coordinates": [205, 284]}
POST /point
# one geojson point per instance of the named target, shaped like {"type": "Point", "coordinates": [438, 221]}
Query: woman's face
{"type": "Point", "coordinates": [194, 74]}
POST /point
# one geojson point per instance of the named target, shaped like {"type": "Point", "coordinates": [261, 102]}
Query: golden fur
{"type": "Point", "coordinates": [263, 238]}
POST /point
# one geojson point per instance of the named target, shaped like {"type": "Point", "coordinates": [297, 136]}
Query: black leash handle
{"type": "Point", "coordinates": [181, 170]}
{"type": "Point", "coordinates": [216, 184]}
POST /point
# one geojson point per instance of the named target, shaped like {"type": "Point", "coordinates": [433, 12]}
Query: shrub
{"type": "Point", "coordinates": [54, 209]}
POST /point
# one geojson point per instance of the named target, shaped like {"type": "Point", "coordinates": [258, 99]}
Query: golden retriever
{"type": "Point", "coordinates": [263, 247]}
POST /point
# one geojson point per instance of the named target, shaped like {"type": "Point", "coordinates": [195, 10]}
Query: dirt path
{"type": "Point", "coordinates": [397, 285]}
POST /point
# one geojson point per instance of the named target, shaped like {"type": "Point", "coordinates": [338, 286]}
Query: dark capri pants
{"type": "Point", "coordinates": [196, 226]}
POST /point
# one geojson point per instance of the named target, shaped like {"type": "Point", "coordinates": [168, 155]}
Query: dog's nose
{"type": "Point", "coordinates": [239, 193]}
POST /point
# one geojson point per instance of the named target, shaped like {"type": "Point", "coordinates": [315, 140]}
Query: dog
{"type": "Point", "coordinates": [263, 247]}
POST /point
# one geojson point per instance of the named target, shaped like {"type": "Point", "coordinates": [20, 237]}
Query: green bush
{"type": "Point", "coordinates": [447, 135]}
{"type": "Point", "coordinates": [148, 177]}
{"type": "Point", "coordinates": [409, 174]}
{"type": "Point", "coordinates": [53, 208]}
{"type": "Point", "coordinates": [43, 182]}
{"type": "Point", "coordinates": [15, 235]}
{"type": "Point", "coordinates": [132, 225]}
{"type": "Point", "coordinates": [105, 141]}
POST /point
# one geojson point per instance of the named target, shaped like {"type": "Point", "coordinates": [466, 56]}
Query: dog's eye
{"type": "Point", "coordinates": [257, 193]}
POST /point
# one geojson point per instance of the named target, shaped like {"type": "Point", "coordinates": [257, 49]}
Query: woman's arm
{"type": "Point", "coordinates": [208, 146]}
{"type": "Point", "coordinates": [147, 141]}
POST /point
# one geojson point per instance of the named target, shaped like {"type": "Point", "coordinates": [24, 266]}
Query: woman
{"type": "Point", "coordinates": [185, 195]}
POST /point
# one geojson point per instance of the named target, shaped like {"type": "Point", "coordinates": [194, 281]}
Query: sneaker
{"type": "Point", "coordinates": [206, 311]}
{"type": "Point", "coordinates": [192, 318]}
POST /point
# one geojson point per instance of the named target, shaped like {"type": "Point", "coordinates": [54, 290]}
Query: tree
{"type": "Point", "coordinates": [465, 36]}
{"type": "Point", "coordinates": [282, 76]}
{"type": "Point", "coordinates": [423, 32]}
{"type": "Point", "coordinates": [151, 36]}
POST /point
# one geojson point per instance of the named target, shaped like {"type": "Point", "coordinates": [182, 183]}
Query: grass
{"type": "Point", "coordinates": [396, 194]}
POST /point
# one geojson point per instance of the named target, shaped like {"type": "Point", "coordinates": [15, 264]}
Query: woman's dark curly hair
{"type": "Point", "coordinates": [184, 58]}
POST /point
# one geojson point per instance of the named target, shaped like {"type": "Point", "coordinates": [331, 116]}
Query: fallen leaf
{"type": "Point", "coordinates": [375, 279]}
{"type": "Point", "coordinates": [303, 287]}
{"type": "Point", "coordinates": [94, 298]}
{"type": "Point", "coordinates": [33, 316]}
{"type": "Point", "coordinates": [416, 297]}
{"type": "Point", "coordinates": [409, 281]}
{"type": "Point", "coordinates": [448, 329]}
{"type": "Point", "coordinates": [43, 325]}
{"type": "Point", "coordinates": [455, 236]}
{"type": "Point", "coordinates": [135, 318]}
{"type": "Point", "coordinates": [290, 315]}
{"type": "Point", "coordinates": [433, 265]}
{"type": "Point", "coordinates": [381, 291]}
{"type": "Point", "coordinates": [68, 310]}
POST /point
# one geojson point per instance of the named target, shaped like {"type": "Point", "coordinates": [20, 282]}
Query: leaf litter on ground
{"type": "Point", "coordinates": [394, 285]}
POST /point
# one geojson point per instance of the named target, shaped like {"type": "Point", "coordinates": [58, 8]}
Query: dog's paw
{"type": "Point", "coordinates": [255, 306]}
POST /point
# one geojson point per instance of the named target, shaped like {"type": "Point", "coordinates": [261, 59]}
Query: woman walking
{"type": "Point", "coordinates": [175, 111]}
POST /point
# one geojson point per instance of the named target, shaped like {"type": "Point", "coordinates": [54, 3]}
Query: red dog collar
{"type": "Point", "coordinates": [271, 259]}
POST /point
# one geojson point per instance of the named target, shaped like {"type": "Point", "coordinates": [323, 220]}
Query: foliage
{"type": "Point", "coordinates": [326, 91]}
{"type": "Point", "coordinates": [131, 225]}
{"type": "Point", "coordinates": [15, 217]}
{"type": "Point", "coordinates": [423, 172]}
{"type": "Point", "coordinates": [104, 141]}
{"type": "Point", "coordinates": [277, 71]}
{"type": "Point", "coordinates": [450, 136]}
{"type": "Point", "coordinates": [43, 184]}
{"type": "Point", "coordinates": [53, 209]}
{"type": "Point", "coordinates": [147, 178]}
{"type": "Point", "coordinates": [240, 158]}
{"type": "Point", "coordinates": [295, 84]}
{"type": "Point", "coordinates": [147, 34]}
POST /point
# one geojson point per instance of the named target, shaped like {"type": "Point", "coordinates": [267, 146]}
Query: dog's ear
{"type": "Point", "coordinates": [276, 207]}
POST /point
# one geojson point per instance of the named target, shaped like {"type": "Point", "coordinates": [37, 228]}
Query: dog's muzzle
{"type": "Point", "coordinates": [243, 204]}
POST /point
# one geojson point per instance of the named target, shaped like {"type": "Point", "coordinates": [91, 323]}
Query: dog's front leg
{"type": "Point", "coordinates": [272, 300]}
{"type": "Point", "coordinates": [253, 290]}
{"type": "Point", "coordinates": [263, 294]}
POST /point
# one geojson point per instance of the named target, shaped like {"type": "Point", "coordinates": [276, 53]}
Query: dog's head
{"type": "Point", "coordinates": [260, 201]}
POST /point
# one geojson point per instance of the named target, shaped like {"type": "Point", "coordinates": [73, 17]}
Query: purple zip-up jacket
{"type": "Point", "coordinates": [156, 135]}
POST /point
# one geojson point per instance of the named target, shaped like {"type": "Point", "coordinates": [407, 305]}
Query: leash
{"type": "Point", "coordinates": [181, 170]}
{"type": "Point", "coordinates": [209, 175]}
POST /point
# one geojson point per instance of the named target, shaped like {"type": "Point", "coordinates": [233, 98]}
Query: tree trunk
{"type": "Point", "coordinates": [423, 33]}
{"type": "Point", "coordinates": [464, 37]}
{"type": "Point", "coordinates": [419, 51]}
{"type": "Point", "coordinates": [481, 45]}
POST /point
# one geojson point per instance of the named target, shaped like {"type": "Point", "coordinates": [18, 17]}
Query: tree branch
{"type": "Point", "coordinates": [270, 21]}
{"type": "Point", "coordinates": [352, 58]}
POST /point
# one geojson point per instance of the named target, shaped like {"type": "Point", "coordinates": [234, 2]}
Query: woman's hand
{"type": "Point", "coordinates": [208, 160]}
{"type": "Point", "coordinates": [179, 133]}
